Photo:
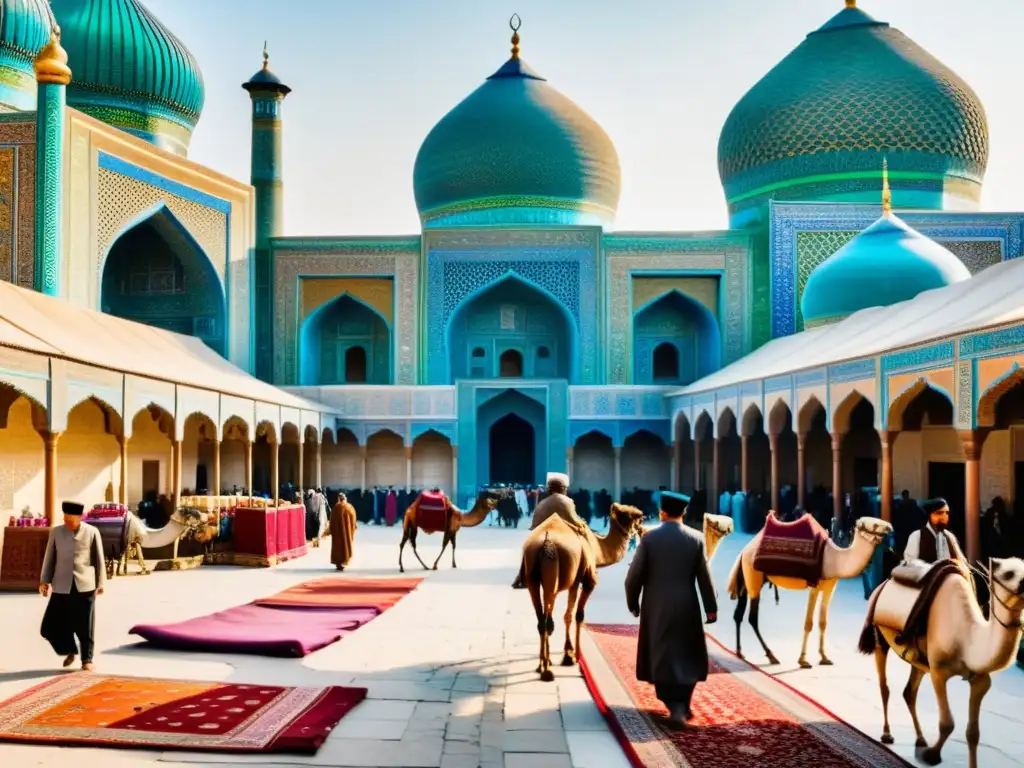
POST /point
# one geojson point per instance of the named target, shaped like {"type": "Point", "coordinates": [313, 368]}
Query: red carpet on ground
{"type": "Point", "coordinates": [743, 717]}
{"type": "Point", "coordinates": [101, 711]}
{"type": "Point", "coordinates": [295, 622]}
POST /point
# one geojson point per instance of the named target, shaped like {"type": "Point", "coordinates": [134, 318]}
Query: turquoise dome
{"type": "Point", "coordinates": [516, 151]}
{"type": "Point", "coordinates": [885, 264]}
{"type": "Point", "coordinates": [24, 29]}
{"type": "Point", "coordinates": [816, 126]}
{"type": "Point", "coordinates": [130, 71]}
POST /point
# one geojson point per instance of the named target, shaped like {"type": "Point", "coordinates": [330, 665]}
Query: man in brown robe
{"type": "Point", "coordinates": [343, 532]}
{"type": "Point", "coordinates": [668, 569]}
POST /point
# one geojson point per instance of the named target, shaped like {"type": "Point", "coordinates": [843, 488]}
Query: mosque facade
{"type": "Point", "coordinates": [519, 332]}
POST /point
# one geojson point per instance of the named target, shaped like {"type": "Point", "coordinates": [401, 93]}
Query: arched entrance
{"type": "Point", "coordinates": [345, 342]}
{"type": "Point", "coordinates": [156, 273]}
{"type": "Point", "coordinates": [511, 329]}
{"type": "Point", "coordinates": [512, 466]}
{"type": "Point", "coordinates": [511, 444]}
{"type": "Point", "coordinates": [676, 340]}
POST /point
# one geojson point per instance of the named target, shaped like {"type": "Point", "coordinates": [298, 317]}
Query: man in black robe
{"type": "Point", "coordinates": [74, 571]}
{"type": "Point", "coordinates": [668, 569]}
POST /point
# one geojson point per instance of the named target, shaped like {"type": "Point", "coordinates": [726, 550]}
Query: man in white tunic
{"type": "Point", "coordinates": [933, 542]}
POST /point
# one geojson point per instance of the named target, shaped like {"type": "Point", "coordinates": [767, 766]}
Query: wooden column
{"type": "Point", "coordinates": [408, 468]}
{"type": "Point", "coordinates": [887, 439]}
{"type": "Point", "coordinates": [216, 468]}
{"type": "Point", "coordinates": [773, 444]}
{"type": "Point", "coordinates": [838, 505]}
{"type": "Point", "coordinates": [275, 472]}
{"type": "Point", "coordinates": [745, 463]}
{"type": "Point", "coordinates": [362, 467]}
{"type": "Point", "coordinates": [801, 469]}
{"type": "Point", "coordinates": [122, 492]}
{"type": "Point", "coordinates": [50, 476]}
{"type": "Point", "coordinates": [176, 477]}
{"type": "Point", "coordinates": [972, 441]}
{"type": "Point", "coordinates": [618, 474]}
{"type": "Point", "coordinates": [301, 468]}
{"type": "Point", "coordinates": [715, 489]}
{"type": "Point", "coordinates": [696, 465]}
{"type": "Point", "coordinates": [319, 464]}
{"type": "Point", "coordinates": [248, 467]}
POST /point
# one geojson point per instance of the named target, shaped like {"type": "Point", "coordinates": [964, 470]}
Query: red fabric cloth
{"type": "Point", "coordinates": [794, 550]}
{"type": "Point", "coordinates": [743, 717]}
{"type": "Point", "coordinates": [334, 592]}
{"type": "Point", "coordinates": [431, 512]}
{"type": "Point", "coordinates": [391, 508]}
{"type": "Point", "coordinates": [277, 533]}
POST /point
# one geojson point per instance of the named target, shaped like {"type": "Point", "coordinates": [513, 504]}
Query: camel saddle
{"type": "Point", "coordinates": [792, 550]}
{"type": "Point", "coordinates": [432, 511]}
{"type": "Point", "coordinates": [112, 534]}
{"type": "Point", "coordinates": [902, 603]}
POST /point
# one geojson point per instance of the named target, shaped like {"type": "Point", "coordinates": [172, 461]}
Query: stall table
{"type": "Point", "coordinates": [21, 561]}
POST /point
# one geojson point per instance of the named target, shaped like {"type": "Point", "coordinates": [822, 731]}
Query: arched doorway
{"type": "Point", "coordinates": [512, 466]}
{"type": "Point", "coordinates": [156, 273]}
{"type": "Point", "coordinates": [511, 329]}
{"type": "Point", "coordinates": [345, 341]}
{"type": "Point", "coordinates": [676, 340]}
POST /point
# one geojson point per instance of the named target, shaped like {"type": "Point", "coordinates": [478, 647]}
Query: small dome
{"type": "Point", "coordinates": [130, 71]}
{"type": "Point", "coordinates": [24, 29]}
{"type": "Point", "coordinates": [516, 151]}
{"type": "Point", "coordinates": [266, 81]}
{"type": "Point", "coordinates": [815, 127]}
{"type": "Point", "coordinates": [885, 264]}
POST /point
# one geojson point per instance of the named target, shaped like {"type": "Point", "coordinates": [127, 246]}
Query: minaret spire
{"type": "Point", "coordinates": [886, 192]}
{"type": "Point", "coordinates": [515, 23]}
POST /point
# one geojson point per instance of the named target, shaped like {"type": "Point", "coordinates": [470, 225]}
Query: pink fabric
{"type": "Point", "coordinates": [391, 508]}
{"type": "Point", "coordinates": [255, 531]}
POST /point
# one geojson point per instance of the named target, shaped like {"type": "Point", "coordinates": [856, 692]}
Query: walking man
{"type": "Point", "coordinates": [73, 574]}
{"type": "Point", "coordinates": [667, 571]}
{"type": "Point", "coordinates": [343, 532]}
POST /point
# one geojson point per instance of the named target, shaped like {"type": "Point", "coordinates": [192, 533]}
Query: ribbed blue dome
{"type": "Point", "coordinates": [130, 71]}
{"type": "Point", "coordinates": [24, 29]}
{"type": "Point", "coordinates": [516, 151]}
{"type": "Point", "coordinates": [885, 264]}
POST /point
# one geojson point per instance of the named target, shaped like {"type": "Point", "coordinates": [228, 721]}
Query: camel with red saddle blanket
{"type": "Point", "coordinates": [799, 556]}
{"type": "Point", "coordinates": [433, 512]}
{"type": "Point", "coordinates": [929, 615]}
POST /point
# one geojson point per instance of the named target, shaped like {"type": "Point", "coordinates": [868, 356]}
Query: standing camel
{"type": "Point", "coordinates": [958, 642]}
{"type": "Point", "coordinates": [837, 563]}
{"type": "Point", "coordinates": [557, 559]}
{"type": "Point", "coordinates": [453, 519]}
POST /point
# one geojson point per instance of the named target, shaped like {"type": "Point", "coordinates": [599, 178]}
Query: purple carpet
{"type": "Point", "coordinates": [258, 629]}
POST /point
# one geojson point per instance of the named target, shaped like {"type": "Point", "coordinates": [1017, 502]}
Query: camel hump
{"type": "Point", "coordinates": [904, 601]}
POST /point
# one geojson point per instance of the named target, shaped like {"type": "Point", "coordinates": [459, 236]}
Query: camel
{"type": "Point", "coordinates": [715, 528]}
{"type": "Point", "coordinates": [958, 642]}
{"type": "Point", "coordinates": [557, 559]}
{"type": "Point", "coordinates": [454, 519]}
{"type": "Point", "coordinates": [127, 540]}
{"type": "Point", "coordinates": [838, 563]}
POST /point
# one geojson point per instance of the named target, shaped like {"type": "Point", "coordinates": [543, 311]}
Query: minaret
{"type": "Point", "coordinates": [52, 78]}
{"type": "Point", "coordinates": [267, 92]}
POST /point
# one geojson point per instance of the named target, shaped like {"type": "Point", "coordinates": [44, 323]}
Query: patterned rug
{"type": "Point", "coordinates": [794, 550]}
{"type": "Point", "coordinates": [100, 711]}
{"type": "Point", "coordinates": [343, 592]}
{"type": "Point", "coordinates": [743, 717]}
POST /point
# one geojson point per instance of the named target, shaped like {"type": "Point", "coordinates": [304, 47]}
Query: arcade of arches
{"type": "Point", "coordinates": [920, 452]}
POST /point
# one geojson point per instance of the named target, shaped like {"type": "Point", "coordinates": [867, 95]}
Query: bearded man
{"type": "Point", "coordinates": [933, 542]}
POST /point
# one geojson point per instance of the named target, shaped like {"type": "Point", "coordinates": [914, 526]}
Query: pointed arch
{"type": "Point", "coordinates": [752, 417]}
{"type": "Point", "coordinates": [156, 273]}
{"type": "Point", "coordinates": [727, 422]}
{"type": "Point", "coordinates": [9, 395]}
{"type": "Point", "coordinates": [842, 412]}
{"type": "Point", "coordinates": [703, 426]}
{"type": "Point", "coordinates": [780, 416]}
{"type": "Point", "coordinates": [896, 418]}
{"type": "Point", "coordinates": [325, 358]}
{"type": "Point", "coordinates": [695, 339]}
{"type": "Point", "coordinates": [549, 325]}
{"type": "Point", "coordinates": [681, 427]}
{"type": "Point", "coordinates": [988, 403]}
{"type": "Point", "coordinates": [808, 412]}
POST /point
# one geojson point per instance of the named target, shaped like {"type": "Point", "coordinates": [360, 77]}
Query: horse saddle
{"type": "Point", "coordinates": [431, 511]}
{"type": "Point", "coordinates": [792, 550]}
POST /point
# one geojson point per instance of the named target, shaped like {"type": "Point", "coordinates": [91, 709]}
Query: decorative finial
{"type": "Point", "coordinates": [886, 192]}
{"type": "Point", "coordinates": [266, 55]}
{"type": "Point", "coordinates": [51, 63]}
{"type": "Point", "coordinates": [851, 3]}
{"type": "Point", "coordinates": [515, 23]}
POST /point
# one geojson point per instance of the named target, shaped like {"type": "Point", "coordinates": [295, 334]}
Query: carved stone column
{"type": "Point", "coordinates": [972, 441]}
{"type": "Point", "coordinates": [618, 474]}
{"type": "Point", "coordinates": [50, 476]}
{"type": "Point", "coordinates": [216, 468]}
{"type": "Point", "coordinates": [122, 492]}
{"type": "Point", "coordinates": [773, 445]}
{"type": "Point", "coordinates": [275, 471]}
{"type": "Point", "coordinates": [801, 469]}
{"type": "Point", "coordinates": [887, 439]}
{"type": "Point", "coordinates": [362, 467]}
{"type": "Point", "coordinates": [408, 468]}
{"type": "Point", "coordinates": [838, 501]}
{"type": "Point", "coordinates": [745, 463]}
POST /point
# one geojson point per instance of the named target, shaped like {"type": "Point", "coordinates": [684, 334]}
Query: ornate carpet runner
{"type": "Point", "coordinates": [743, 717]}
{"type": "Point", "coordinates": [100, 711]}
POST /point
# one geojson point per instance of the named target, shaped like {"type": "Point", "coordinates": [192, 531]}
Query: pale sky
{"type": "Point", "coordinates": [371, 77]}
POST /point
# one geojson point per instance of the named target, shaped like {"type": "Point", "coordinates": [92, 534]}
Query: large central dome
{"type": "Point", "coordinates": [516, 151]}
{"type": "Point", "coordinates": [817, 125]}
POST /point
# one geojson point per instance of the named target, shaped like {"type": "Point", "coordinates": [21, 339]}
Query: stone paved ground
{"type": "Point", "coordinates": [450, 668]}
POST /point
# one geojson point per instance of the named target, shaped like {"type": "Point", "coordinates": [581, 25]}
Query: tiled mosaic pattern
{"type": "Point", "coordinates": [19, 266]}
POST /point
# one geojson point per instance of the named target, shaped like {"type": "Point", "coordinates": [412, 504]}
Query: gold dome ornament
{"type": "Point", "coordinates": [851, 3]}
{"type": "Point", "coordinates": [51, 63]}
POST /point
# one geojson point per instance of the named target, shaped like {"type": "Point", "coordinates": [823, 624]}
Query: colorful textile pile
{"type": "Point", "coordinates": [793, 550]}
{"type": "Point", "coordinates": [431, 512]}
{"type": "Point", "coordinates": [22, 558]}
{"type": "Point", "coordinates": [743, 717]}
{"type": "Point", "coordinates": [292, 623]}
{"type": "Point", "coordinates": [100, 711]}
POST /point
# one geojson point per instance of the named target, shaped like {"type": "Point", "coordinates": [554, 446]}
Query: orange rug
{"type": "Point", "coordinates": [343, 592]}
{"type": "Point", "coordinates": [101, 711]}
{"type": "Point", "coordinates": [743, 717]}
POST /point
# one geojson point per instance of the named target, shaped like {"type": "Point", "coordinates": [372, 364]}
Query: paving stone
{"type": "Point", "coordinates": [535, 741]}
{"type": "Point", "coordinates": [385, 730]}
{"type": "Point", "coordinates": [595, 750]}
{"type": "Point", "coordinates": [533, 760]}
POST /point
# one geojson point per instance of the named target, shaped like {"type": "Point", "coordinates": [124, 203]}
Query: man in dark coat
{"type": "Point", "coordinates": [933, 541]}
{"type": "Point", "coordinates": [667, 570]}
